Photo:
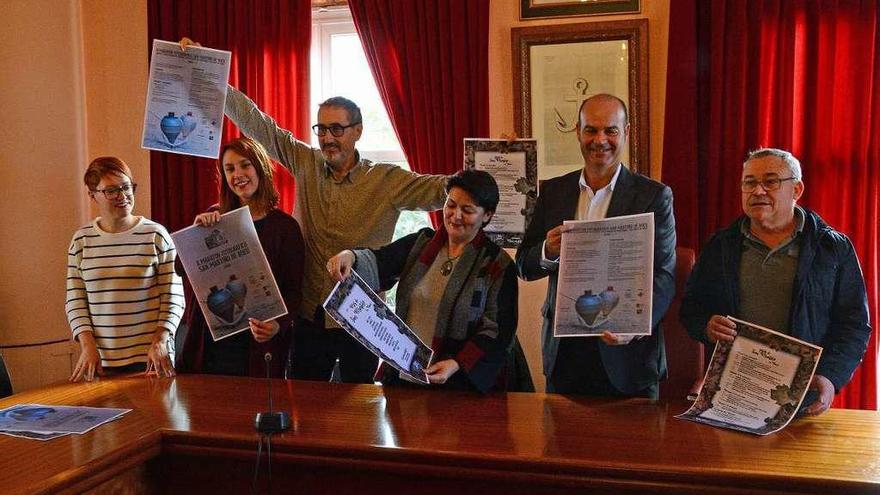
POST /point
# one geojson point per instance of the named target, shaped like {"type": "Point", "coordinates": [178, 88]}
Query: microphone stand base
{"type": "Point", "coordinates": [272, 422]}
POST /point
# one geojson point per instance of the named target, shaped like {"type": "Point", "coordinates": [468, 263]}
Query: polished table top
{"type": "Point", "coordinates": [527, 435]}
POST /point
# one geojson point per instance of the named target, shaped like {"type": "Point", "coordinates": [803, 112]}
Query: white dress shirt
{"type": "Point", "coordinates": [591, 206]}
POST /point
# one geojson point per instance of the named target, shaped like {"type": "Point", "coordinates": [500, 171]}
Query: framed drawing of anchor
{"type": "Point", "coordinates": [556, 67]}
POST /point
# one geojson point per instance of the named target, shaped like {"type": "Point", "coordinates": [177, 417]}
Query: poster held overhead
{"type": "Point", "coordinates": [514, 166]}
{"type": "Point", "coordinates": [186, 94]}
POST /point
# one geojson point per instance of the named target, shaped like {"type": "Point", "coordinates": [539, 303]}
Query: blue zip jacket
{"type": "Point", "coordinates": [829, 304]}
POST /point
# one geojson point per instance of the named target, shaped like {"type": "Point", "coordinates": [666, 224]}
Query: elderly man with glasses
{"type": "Point", "coordinates": [782, 267]}
{"type": "Point", "coordinates": [342, 201]}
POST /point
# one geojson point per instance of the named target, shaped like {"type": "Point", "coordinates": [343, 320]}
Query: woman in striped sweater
{"type": "Point", "coordinates": [124, 300]}
{"type": "Point", "coordinates": [246, 179]}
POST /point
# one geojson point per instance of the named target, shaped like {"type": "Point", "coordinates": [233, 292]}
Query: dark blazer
{"type": "Point", "coordinates": [641, 363]}
{"type": "Point", "coordinates": [829, 305]}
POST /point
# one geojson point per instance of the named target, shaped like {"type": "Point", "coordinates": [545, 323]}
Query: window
{"type": "Point", "coordinates": [339, 67]}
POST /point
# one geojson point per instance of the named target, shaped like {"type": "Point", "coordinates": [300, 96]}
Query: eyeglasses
{"type": "Point", "coordinates": [113, 192]}
{"type": "Point", "coordinates": [335, 129]}
{"type": "Point", "coordinates": [768, 184]}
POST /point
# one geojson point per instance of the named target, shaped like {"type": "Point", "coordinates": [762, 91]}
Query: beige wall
{"type": "Point", "coordinates": [115, 54]}
{"type": "Point", "coordinates": [504, 16]}
{"type": "Point", "coordinates": [44, 152]}
{"type": "Point", "coordinates": [73, 84]}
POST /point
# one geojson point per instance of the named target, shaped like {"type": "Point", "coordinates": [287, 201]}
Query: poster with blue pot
{"type": "Point", "coordinates": [186, 94]}
{"type": "Point", "coordinates": [229, 273]}
{"type": "Point", "coordinates": [605, 277]}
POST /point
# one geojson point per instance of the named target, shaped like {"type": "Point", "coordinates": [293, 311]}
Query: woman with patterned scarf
{"type": "Point", "coordinates": [456, 288]}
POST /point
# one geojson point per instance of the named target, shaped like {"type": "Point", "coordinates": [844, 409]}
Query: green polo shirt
{"type": "Point", "coordinates": [766, 277]}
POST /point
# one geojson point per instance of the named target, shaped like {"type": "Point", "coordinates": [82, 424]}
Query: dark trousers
{"type": "Point", "coordinates": [315, 350]}
{"type": "Point", "coordinates": [579, 371]}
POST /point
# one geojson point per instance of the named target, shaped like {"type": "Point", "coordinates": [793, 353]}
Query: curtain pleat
{"type": "Point", "coordinates": [270, 43]}
{"type": "Point", "coordinates": [430, 62]}
{"type": "Point", "coordinates": [801, 75]}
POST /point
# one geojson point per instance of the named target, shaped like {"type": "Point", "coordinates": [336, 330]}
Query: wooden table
{"type": "Point", "coordinates": [195, 434]}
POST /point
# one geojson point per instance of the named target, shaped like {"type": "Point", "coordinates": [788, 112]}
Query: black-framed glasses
{"type": "Point", "coordinates": [337, 130]}
{"type": "Point", "coordinates": [768, 184]}
{"type": "Point", "coordinates": [113, 192]}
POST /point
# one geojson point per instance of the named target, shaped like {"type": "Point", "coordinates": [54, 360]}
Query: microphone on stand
{"type": "Point", "coordinates": [271, 422]}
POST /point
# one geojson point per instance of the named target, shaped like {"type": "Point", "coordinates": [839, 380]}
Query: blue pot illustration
{"type": "Point", "coordinates": [609, 300]}
{"type": "Point", "coordinates": [238, 289]}
{"type": "Point", "coordinates": [171, 126]}
{"type": "Point", "coordinates": [220, 303]}
{"type": "Point", "coordinates": [189, 124]}
{"type": "Point", "coordinates": [588, 306]}
{"type": "Point", "coordinates": [28, 413]}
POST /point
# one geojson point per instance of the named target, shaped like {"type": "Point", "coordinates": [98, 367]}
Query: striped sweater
{"type": "Point", "coordinates": [120, 287]}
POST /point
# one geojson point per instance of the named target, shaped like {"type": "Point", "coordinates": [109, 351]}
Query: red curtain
{"type": "Point", "coordinates": [802, 75]}
{"type": "Point", "coordinates": [270, 42]}
{"type": "Point", "coordinates": [430, 59]}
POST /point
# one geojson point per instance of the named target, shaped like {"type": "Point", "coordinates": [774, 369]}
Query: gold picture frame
{"type": "Point", "coordinates": [542, 9]}
{"type": "Point", "coordinates": [556, 67]}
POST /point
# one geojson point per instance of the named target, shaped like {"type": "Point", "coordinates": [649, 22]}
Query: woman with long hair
{"type": "Point", "coordinates": [245, 177]}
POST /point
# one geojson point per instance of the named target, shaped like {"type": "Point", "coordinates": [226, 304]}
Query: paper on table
{"type": "Point", "coordinates": [47, 419]}
{"type": "Point", "coordinates": [34, 436]}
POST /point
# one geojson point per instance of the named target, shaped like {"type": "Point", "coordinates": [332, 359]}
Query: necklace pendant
{"type": "Point", "coordinates": [446, 268]}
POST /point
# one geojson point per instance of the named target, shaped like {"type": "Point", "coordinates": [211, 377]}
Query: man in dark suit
{"type": "Point", "coordinates": [609, 365]}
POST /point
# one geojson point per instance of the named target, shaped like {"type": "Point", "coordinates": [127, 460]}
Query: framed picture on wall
{"type": "Point", "coordinates": [514, 166]}
{"type": "Point", "coordinates": [556, 67]}
{"type": "Point", "coordinates": [537, 9]}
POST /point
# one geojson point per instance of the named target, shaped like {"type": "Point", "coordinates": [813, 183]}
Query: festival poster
{"type": "Point", "coordinates": [229, 273]}
{"type": "Point", "coordinates": [756, 383]}
{"type": "Point", "coordinates": [514, 165]}
{"type": "Point", "coordinates": [366, 317]}
{"type": "Point", "coordinates": [606, 277]}
{"type": "Point", "coordinates": [45, 422]}
{"type": "Point", "coordinates": [186, 94]}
